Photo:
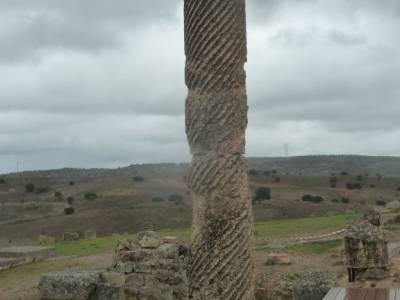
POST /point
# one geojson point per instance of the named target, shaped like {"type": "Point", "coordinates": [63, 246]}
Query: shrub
{"type": "Point", "coordinates": [396, 220]}
{"type": "Point", "coordinates": [333, 180]}
{"type": "Point", "coordinates": [70, 200]}
{"type": "Point", "coordinates": [311, 198]}
{"type": "Point", "coordinates": [72, 183]}
{"type": "Point", "coordinates": [359, 177]}
{"type": "Point", "coordinates": [58, 195]}
{"type": "Point", "coordinates": [2, 181]}
{"type": "Point", "coordinates": [380, 203]}
{"type": "Point", "coordinates": [372, 186]}
{"type": "Point", "coordinates": [253, 172]}
{"type": "Point", "coordinates": [157, 199]}
{"type": "Point", "coordinates": [177, 199]}
{"type": "Point", "coordinates": [69, 210]}
{"type": "Point", "coordinates": [345, 200]}
{"type": "Point", "coordinates": [335, 200]}
{"type": "Point", "coordinates": [344, 173]}
{"type": "Point", "coordinates": [262, 193]}
{"type": "Point", "coordinates": [138, 178]}
{"type": "Point", "coordinates": [90, 196]}
{"type": "Point", "coordinates": [398, 189]}
{"type": "Point", "coordinates": [30, 188]}
{"type": "Point", "coordinates": [42, 190]}
{"type": "Point", "coordinates": [277, 179]}
{"type": "Point", "coordinates": [353, 186]}
{"type": "Point", "coordinates": [267, 173]}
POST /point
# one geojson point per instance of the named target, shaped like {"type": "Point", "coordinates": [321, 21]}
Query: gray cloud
{"type": "Point", "coordinates": [98, 83]}
{"type": "Point", "coordinates": [29, 27]}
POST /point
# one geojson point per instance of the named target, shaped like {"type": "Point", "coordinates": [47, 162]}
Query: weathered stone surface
{"type": "Point", "coordinates": [71, 236]}
{"type": "Point", "coordinates": [27, 251]}
{"type": "Point", "coordinates": [150, 267]}
{"type": "Point", "coordinates": [90, 234]}
{"type": "Point", "coordinates": [138, 273]}
{"type": "Point", "coordinates": [46, 240]}
{"type": "Point", "coordinates": [149, 240]}
{"type": "Point", "coordinates": [8, 263]}
{"type": "Point", "coordinates": [170, 239]}
{"type": "Point", "coordinates": [216, 119]}
{"type": "Point", "coordinates": [394, 249]}
{"type": "Point", "coordinates": [278, 259]}
{"type": "Point", "coordinates": [68, 285]}
{"type": "Point", "coordinates": [366, 251]}
{"type": "Point", "coordinates": [313, 286]}
{"type": "Point", "coordinates": [113, 278]}
{"type": "Point", "coordinates": [393, 204]}
{"type": "Point", "coordinates": [373, 217]}
{"type": "Point", "coordinates": [366, 247]}
{"type": "Point", "coordinates": [109, 292]}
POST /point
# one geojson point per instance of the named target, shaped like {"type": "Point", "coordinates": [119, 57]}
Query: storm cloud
{"type": "Point", "coordinates": [99, 83]}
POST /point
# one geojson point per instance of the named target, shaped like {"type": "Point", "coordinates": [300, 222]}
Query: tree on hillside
{"type": "Point", "coordinates": [70, 200]}
{"type": "Point", "coordinates": [177, 199]}
{"type": "Point", "coordinates": [262, 193]}
{"type": "Point", "coordinates": [69, 210]}
{"type": "Point", "coordinates": [157, 199]}
{"type": "Point", "coordinates": [333, 181]}
{"type": "Point", "coordinates": [353, 185]}
{"type": "Point", "coordinates": [312, 198]}
{"type": "Point", "coordinates": [90, 196]}
{"type": "Point", "coordinates": [138, 178]}
{"type": "Point", "coordinates": [30, 188]}
{"type": "Point", "coordinates": [253, 172]}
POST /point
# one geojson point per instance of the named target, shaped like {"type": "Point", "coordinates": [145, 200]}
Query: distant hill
{"type": "Point", "coordinates": [306, 165]}
{"type": "Point", "coordinates": [327, 164]}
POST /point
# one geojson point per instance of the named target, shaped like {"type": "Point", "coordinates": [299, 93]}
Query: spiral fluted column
{"type": "Point", "coordinates": [216, 119]}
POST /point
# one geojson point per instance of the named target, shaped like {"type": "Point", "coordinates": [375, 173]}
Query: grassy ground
{"type": "Point", "coordinates": [21, 282]}
{"type": "Point", "coordinates": [87, 253]}
{"type": "Point", "coordinates": [315, 248]}
{"type": "Point", "coordinates": [304, 226]}
{"type": "Point", "coordinates": [88, 247]}
{"type": "Point", "coordinates": [270, 229]}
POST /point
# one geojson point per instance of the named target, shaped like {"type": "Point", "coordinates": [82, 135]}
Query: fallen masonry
{"type": "Point", "coordinates": [366, 251]}
{"type": "Point", "coordinates": [149, 267]}
{"type": "Point", "coordinates": [14, 256]}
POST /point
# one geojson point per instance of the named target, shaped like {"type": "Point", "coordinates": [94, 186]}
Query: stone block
{"type": "Point", "coordinates": [313, 286]}
{"type": "Point", "coordinates": [68, 285]}
{"type": "Point", "coordinates": [278, 259]}
{"type": "Point", "coordinates": [70, 236]}
{"type": "Point", "coordinates": [149, 240]}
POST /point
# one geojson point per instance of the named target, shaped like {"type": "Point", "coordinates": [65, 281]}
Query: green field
{"type": "Point", "coordinates": [315, 248]}
{"type": "Point", "coordinates": [295, 227]}
{"type": "Point", "coordinates": [264, 230]}
{"type": "Point", "coordinates": [80, 253]}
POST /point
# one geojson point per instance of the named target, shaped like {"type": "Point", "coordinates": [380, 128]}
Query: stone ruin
{"type": "Point", "coordinates": [149, 267]}
{"type": "Point", "coordinates": [11, 257]}
{"type": "Point", "coordinates": [366, 250]}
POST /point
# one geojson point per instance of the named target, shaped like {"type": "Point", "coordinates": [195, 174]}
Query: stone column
{"type": "Point", "coordinates": [216, 119]}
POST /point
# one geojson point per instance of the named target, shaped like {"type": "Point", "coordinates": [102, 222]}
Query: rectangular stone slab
{"type": "Point", "coordinates": [28, 252]}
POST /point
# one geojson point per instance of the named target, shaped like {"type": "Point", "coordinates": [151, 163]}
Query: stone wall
{"type": "Point", "coordinates": [149, 267]}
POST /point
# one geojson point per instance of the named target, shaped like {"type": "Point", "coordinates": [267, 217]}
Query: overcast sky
{"type": "Point", "coordinates": [100, 83]}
